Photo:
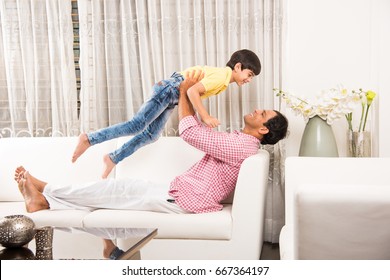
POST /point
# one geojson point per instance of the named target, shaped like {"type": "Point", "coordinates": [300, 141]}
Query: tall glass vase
{"type": "Point", "coordinates": [359, 143]}
{"type": "Point", "coordinates": [318, 139]}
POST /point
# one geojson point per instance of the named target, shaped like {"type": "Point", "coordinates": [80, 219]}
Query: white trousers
{"type": "Point", "coordinates": [129, 194]}
{"type": "Point", "coordinates": [109, 233]}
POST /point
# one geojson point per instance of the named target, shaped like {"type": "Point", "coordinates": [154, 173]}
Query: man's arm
{"type": "Point", "coordinates": [185, 108]}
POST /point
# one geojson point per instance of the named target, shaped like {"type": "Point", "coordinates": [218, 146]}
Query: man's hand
{"type": "Point", "coordinates": [190, 79]}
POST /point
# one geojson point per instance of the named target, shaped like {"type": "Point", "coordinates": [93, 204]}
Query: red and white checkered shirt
{"type": "Point", "coordinates": [201, 188]}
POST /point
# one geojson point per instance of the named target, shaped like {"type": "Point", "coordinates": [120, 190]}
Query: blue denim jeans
{"type": "Point", "coordinates": [147, 124]}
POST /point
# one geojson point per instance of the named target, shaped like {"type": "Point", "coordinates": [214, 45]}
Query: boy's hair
{"type": "Point", "coordinates": [277, 129]}
{"type": "Point", "coordinates": [248, 60]}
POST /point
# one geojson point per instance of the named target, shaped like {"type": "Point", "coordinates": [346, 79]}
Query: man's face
{"type": "Point", "coordinates": [257, 118]}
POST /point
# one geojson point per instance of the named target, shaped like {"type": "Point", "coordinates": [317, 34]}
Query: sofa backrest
{"type": "Point", "coordinates": [49, 159]}
{"type": "Point", "coordinates": [160, 161]}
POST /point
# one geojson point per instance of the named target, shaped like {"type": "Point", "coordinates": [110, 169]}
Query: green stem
{"type": "Point", "coordinates": [361, 118]}
{"type": "Point", "coordinates": [365, 118]}
{"type": "Point", "coordinates": [349, 121]}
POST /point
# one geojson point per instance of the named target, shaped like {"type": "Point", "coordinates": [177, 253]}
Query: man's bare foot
{"type": "Point", "coordinates": [108, 166]}
{"type": "Point", "coordinates": [20, 173]}
{"type": "Point", "coordinates": [33, 199]}
{"type": "Point", "coordinates": [81, 147]}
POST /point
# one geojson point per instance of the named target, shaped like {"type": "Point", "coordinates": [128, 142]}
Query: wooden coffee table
{"type": "Point", "coordinates": [80, 243]}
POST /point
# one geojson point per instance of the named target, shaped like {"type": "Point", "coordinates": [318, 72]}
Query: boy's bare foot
{"type": "Point", "coordinates": [33, 199]}
{"type": "Point", "coordinates": [108, 166]}
{"type": "Point", "coordinates": [81, 147]}
{"type": "Point", "coordinates": [20, 173]}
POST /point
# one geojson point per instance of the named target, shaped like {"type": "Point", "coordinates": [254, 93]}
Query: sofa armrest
{"type": "Point", "coordinates": [313, 171]}
{"type": "Point", "coordinates": [248, 209]}
{"type": "Point", "coordinates": [342, 221]}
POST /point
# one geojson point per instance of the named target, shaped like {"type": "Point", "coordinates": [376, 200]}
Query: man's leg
{"type": "Point", "coordinates": [33, 198]}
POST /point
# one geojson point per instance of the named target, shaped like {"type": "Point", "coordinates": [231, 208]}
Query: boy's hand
{"type": "Point", "coordinates": [211, 121]}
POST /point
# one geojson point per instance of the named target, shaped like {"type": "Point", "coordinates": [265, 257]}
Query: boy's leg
{"type": "Point", "coordinates": [165, 101]}
{"type": "Point", "coordinates": [165, 93]}
{"type": "Point", "coordinates": [82, 145]}
{"type": "Point", "coordinates": [148, 136]}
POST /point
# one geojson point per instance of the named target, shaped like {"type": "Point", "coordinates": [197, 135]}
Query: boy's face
{"type": "Point", "coordinates": [242, 76]}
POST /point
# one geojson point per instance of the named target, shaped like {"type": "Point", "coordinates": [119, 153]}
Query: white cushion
{"type": "Point", "coordinates": [177, 226]}
{"type": "Point", "coordinates": [61, 218]}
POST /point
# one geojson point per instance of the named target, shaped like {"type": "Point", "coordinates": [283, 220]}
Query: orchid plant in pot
{"type": "Point", "coordinates": [359, 141]}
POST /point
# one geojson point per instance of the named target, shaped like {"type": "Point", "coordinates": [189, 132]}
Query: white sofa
{"type": "Point", "coordinates": [236, 232]}
{"type": "Point", "coordinates": [336, 208]}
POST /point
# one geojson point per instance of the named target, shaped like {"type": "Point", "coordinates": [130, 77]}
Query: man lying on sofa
{"type": "Point", "coordinates": [198, 190]}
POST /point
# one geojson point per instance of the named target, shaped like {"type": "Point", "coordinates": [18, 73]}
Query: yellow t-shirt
{"type": "Point", "coordinates": [216, 79]}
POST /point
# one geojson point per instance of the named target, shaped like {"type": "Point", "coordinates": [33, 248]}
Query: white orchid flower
{"type": "Point", "coordinates": [329, 105]}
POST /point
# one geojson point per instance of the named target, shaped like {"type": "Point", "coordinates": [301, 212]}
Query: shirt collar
{"type": "Point", "coordinates": [250, 137]}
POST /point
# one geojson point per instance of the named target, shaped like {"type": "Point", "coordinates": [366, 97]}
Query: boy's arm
{"type": "Point", "coordinates": [194, 93]}
{"type": "Point", "coordinates": [185, 107]}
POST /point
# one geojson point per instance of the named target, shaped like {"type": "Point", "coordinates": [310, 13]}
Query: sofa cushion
{"type": "Point", "coordinates": [12, 208]}
{"type": "Point", "coordinates": [60, 218]}
{"type": "Point", "coordinates": [215, 225]}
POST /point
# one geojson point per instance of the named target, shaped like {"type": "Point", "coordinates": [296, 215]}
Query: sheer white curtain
{"type": "Point", "coordinates": [37, 75]}
{"type": "Point", "coordinates": [127, 46]}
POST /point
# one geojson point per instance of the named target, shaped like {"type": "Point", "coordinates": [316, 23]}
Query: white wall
{"type": "Point", "coordinates": [331, 42]}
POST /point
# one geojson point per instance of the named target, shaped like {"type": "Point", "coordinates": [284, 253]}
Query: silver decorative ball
{"type": "Point", "coordinates": [16, 231]}
{"type": "Point", "coordinates": [20, 253]}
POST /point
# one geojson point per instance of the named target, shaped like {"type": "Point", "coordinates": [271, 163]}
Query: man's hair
{"type": "Point", "coordinates": [248, 60]}
{"type": "Point", "coordinates": [277, 127]}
